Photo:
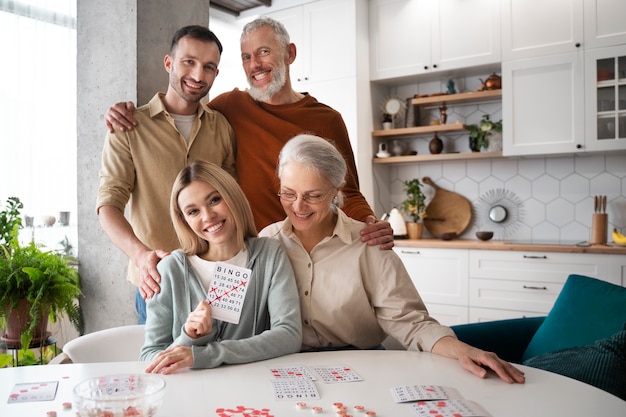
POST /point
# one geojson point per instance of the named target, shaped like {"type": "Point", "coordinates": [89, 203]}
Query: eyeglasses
{"type": "Point", "coordinates": [308, 198]}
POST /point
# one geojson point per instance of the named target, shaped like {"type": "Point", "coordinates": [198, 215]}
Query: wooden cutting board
{"type": "Point", "coordinates": [447, 211]}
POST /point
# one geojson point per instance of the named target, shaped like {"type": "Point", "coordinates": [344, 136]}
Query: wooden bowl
{"type": "Point", "coordinates": [447, 235]}
{"type": "Point", "coordinates": [484, 235]}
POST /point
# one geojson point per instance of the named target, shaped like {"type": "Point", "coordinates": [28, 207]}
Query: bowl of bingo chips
{"type": "Point", "coordinates": [130, 395]}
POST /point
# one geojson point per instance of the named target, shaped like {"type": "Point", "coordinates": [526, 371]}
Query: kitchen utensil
{"type": "Point", "coordinates": [494, 82]}
{"type": "Point", "coordinates": [447, 212]}
{"type": "Point", "coordinates": [484, 235]}
{"type": "Point", "coordinates": [599, 227]}
{"type": "Point", "coordinates": [117, 395]}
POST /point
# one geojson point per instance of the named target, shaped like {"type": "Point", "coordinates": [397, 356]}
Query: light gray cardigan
{"type": "Point", "coordinates": [269, 326]}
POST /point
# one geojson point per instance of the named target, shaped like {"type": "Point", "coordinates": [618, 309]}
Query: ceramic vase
{"type": "Point", "coordinates": [495, 142]}
{"type": "Point", "coordinates": [473, 145]}
{"type": "Point", "coordinates": [397, 148]}
{"type": "Point", "coordinates": [435, 146]}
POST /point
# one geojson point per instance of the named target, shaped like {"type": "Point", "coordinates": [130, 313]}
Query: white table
{"type": "Point", "coordinates": [199, 393]}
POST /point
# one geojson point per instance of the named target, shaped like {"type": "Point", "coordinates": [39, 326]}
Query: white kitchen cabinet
{"type": "Point", "coordinates": [440, 276]}
{"type": "Point", "coordinates": [617, 270]}
{"type": "Point", "coordinates": [467, 285]}
{"type": "Point", "coordinates": [552, 101]}
{"type": "Point", "coordinates": [605, 83]}
{"type": "Point", "coordinates": [543, 105]}
{"type": "Point", "coordinates": [605, 23]}
{"type": "Point", "coordinates": [532, 28]}
{"type": "Point", "coordinates": [521, 284]}
{"type": "Point", "coordinates": [412, 37]}
{"type": "Point", "coordinates": [325, 36]}
{"type": "Point", "coordinates": [478, 315]}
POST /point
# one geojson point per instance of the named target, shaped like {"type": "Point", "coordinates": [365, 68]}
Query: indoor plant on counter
{"type": "Point", "coordinates": [414, 206]}
{"type": "Point", "coordinates": [35, 285]}
{"type": "Point", "coordinates": [480, 135]}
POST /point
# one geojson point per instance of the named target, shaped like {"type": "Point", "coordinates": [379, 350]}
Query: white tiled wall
{"type": "Point", "coordinates": [556, 193]}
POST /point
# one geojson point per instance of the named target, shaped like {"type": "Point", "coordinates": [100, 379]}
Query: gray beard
{"type": "Point", "coordinates": [273, 88]}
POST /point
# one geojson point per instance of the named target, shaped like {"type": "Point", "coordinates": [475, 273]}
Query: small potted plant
{"type": "Point", "coordinates": [415, 207]}
{"type": "Point", "coordinates": [480, 133]}
{"type": "Point", "coordinates": [35, 285]}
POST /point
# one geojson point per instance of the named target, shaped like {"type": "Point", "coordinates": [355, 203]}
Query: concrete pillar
{"type": "Point", "coordinates": [121, 45]}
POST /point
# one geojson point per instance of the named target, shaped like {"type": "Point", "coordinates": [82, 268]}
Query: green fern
{"type": "Point", "coordinates": [47, 280]}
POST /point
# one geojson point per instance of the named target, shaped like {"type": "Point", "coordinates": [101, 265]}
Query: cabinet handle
{"type": "Point", "coordinates": [425, 67]}
{"type": "Point", "coordinates": [577, 44]}
{"type": "Point", "coordinates": [579, 146]}
{"type": "Point", "coordinates": [535, 257]}
{"type": "Point", "coordinates": [434, 65]}
{"type": "Point", "coordinates": [409, 252]}
{"type": "Point", "coordinates": [530, 287]}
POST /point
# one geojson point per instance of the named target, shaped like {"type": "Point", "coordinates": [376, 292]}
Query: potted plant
{"type": "Point", "coordinates": [480, 133]}
{"type": "Point", "coordinates": [35, 285]}
{"type": "Point", "coordinates": [415, 207]}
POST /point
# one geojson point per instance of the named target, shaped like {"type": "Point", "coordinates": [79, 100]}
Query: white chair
{"type": "Point", "coordinates": [117, 344]}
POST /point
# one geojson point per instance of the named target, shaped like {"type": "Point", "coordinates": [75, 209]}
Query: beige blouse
{"type": "Point", "coordinates": [355, 294]}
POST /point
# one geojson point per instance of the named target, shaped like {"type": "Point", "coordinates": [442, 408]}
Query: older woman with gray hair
{"type": "Point", "coordinates": [353, 295]}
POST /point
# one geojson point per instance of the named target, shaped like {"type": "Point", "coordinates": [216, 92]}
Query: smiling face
{"type": "Point", "coordinates": [192, 69]}
{"type": "Point", "coordinates": [308, 219]}
{"type": "Point", "coordinates": [266, 64]}
{"type": "Point", "coordinates": [208, 215]}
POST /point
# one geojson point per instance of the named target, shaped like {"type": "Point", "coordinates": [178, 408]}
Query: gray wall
{"type": "Point", "coordinates": [116, 42]}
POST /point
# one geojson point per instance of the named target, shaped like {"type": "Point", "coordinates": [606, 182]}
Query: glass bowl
{"type": "Point", "coordinates": [127, 395]}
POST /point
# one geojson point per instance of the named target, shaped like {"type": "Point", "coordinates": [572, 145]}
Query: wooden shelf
{"type": "Point", "coordinates": [418, 130]}
{"type": "Point", "coordinates": [472, 96]}
{"type": "Point", "coordinates": [407, 159]}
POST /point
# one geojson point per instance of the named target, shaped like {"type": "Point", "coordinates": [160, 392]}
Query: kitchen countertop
{"type": "Point", "coordinates": [510, 245]}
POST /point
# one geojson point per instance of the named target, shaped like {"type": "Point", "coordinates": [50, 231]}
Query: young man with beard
{"type": "Point", "coordinates": [140, 165]}
{"type": "Point", "coordinates": [265, 117]}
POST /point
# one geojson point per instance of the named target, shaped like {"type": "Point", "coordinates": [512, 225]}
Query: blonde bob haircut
{"type": "Point", "coordinates": [230, 192]}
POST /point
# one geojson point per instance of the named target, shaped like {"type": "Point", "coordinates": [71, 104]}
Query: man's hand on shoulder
{"type": "Point", "coordinates": [377, 232]}
{"type": "Point", "coordinates": [120, 117]}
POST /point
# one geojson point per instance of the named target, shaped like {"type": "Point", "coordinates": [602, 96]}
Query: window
{"type": "Point", "coordinates": [38, 112]}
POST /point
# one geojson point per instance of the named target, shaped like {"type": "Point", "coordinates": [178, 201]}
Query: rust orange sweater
{"type": "Point", "coordinates": [262, 129]}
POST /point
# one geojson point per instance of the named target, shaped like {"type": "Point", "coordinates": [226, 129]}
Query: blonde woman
{"type": "Point", "coordinates": [214, 223]}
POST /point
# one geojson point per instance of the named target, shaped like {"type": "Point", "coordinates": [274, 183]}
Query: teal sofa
{"type": "Point", "coordinates": [583, 336]}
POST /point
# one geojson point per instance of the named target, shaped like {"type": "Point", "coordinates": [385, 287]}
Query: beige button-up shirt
{"type": "Point", "coordinates": [140, 167]}
{"type": "Point", "coordinates": [355, 294]}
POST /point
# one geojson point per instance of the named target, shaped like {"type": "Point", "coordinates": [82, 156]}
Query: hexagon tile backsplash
{"type": "Point", "coordinates": [556, 194]}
